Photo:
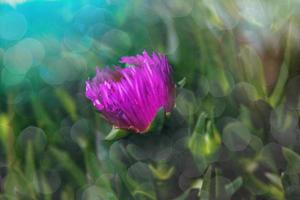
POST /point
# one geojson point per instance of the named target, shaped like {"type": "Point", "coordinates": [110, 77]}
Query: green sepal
{"type": "Point", "coordinates": [157, 123]}
{"type": "Point", "coordinates": [205, 140]}
{"type": "Point", "coordinates": [116, 134]}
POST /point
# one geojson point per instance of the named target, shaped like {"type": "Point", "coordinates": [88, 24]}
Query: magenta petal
{"type": "Point", "coordinates": [130, 97]}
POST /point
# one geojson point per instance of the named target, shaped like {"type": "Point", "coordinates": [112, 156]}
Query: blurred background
{"type": "Point", "coordinates": [233, 134]}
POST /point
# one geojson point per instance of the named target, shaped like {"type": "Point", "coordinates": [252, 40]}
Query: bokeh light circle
{"type": "Point", "coordinates": [271, 156]}
{"type": "Point", "coordinates": [115, 42]}
{"type": "Point", "coordinates": [79, 132]}
{"type": "Point", "coordinates": [50, 181]}
{"type": "Point", "coordinates": [283, 118]}
{"type": "Point", "coordinates": [77, 41]}
{"type": "Point", "coordinates": [236, 136]}
{"type": "Point", "coordinates": [17, 59]}
{"type": "Point", "coordinates": [89, 15]}
{"type": "Point", "coordinates": [284, 125]}
{"type": "Point", "coordinates": [186, 102]}
{"type": "Point", "coordinates": [98, 30]}
{"type": "Point", "coordinates": [222, 85]}
{"type": "Point", "coordinates": [146, 13]}
{"type": "Point", "coordinates": [140, 172]}
{"type": "Point", "coordinates": [59, 69]}
{"type": "Point", "coordinates": [13, 26]}
{"type": "Point", "coordinates": [245, 93]}
{"type": "Point", "coordinates": [35, 136]}
{"type": "Point", "coordinates": [35, 47]}
{"type": "Point", "coordinates": [136, 152]}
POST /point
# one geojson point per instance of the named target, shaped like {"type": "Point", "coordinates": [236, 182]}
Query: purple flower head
{"type": "Point", "coordinates": [130, 97]}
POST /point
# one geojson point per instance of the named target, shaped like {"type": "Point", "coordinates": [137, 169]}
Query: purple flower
{"type": "Point", "coordinates": [130, 97]}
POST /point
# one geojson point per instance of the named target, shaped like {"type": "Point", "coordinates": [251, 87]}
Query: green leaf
{"type": "Point", "coordinates": [66, 161]}
{"type": "Point", "coordinates": [253, 70]}
{"type": "Point", "coordinates": [290, 181]}
{"type": "Point", "coordinates": [30, 171]}
{"type": "Point", "coordinates": [15, 181]}
{"type": "Point", "coordinates": [193, 142]}
{"type": "Point", "coordinates": [205, 190]}
{"type": "Point", "coordinates": [278, 91]}
{"type": "Point", "coordinates": [293, 160]}
{"type": "Point", "coordinates": [200, 125]}
{"type": "Point", "coordinates": [274, 179]}
{"type": "Point", "coordinates": [45, 187]}
{"type": "Point", "coordinates": [67, 102]}
{"type": "Point", "coordinates": [116, 134]}
{"type": "Point", "coordinates": [43, 118]}
{"type": "Point", "coordinates": [92, 164]}
{"type": "Point", "coordinates": [232, 187]}
{"type": "Point", "coordinates": [270, 191]}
